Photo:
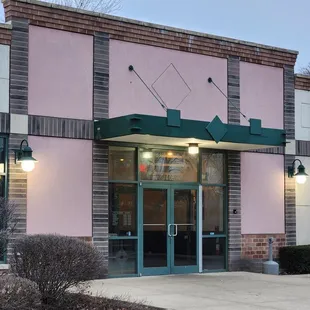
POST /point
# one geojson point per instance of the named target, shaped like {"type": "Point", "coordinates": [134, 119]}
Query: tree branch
{"type": "Point", "coordinates": [305, 70]}
{"type": "Point", "coordinates": [101, 6]}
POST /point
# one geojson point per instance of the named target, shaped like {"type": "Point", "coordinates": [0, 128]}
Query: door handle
{"type": "Point", "coordinates": [169, 234]}
{"type": "Point", "coordinates": [175, 233]}
{"type": "Point", "coordinates": [176, 230]}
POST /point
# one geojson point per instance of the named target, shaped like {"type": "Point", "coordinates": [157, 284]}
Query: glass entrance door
{"type": "Point", "coordinates": [170, 232]}
{"type": "Point", "coordinates": [184, 221]}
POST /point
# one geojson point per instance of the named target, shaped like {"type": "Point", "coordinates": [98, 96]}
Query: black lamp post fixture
{"type": "Point", "coordinates": [301, 175]}
{"type": "Point", "coordinates": [24, 156]}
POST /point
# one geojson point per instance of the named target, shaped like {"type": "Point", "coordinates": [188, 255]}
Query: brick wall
{"type": "Point", "coordinates": [256, 246]}
{"type": "Point", "coordinates": [302, 82]}
{"type": "Point", "coordinates": [255, 250]}
{"type": "Point", "coordinates": [5, 34]}
{"type": "Point", "coordinates": [49, 15]}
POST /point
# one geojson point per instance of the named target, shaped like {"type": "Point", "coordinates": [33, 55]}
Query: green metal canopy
{"type": "Point", "coordinates": [174, 131]}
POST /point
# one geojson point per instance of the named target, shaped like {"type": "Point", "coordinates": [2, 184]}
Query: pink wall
{"type": "Point", "coordinates": [261, 94]}
{"type": "Point", "coordinates": [60, 73]}
{"type": "Point", "coordinates": [60, 187]}
{"type": "Point", "coordinates": [128, 95]}
{"type": "Point", "coordinates": [262, 193]}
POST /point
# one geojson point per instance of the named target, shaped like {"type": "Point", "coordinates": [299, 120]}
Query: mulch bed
{"type": "Point", "coordinates": [80, 301]}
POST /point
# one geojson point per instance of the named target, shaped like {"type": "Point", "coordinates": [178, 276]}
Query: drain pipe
{"type": "Point", "coordinates": [271, 267]}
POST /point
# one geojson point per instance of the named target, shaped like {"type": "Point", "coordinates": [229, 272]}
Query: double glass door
{"type": "Point", "coordinates": [169, 229]}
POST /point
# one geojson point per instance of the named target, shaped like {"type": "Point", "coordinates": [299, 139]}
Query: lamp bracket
{"type": "Point", "coordinates": [19, 152]}
{"type": "Point", "coordinates": [18, 155]}
{"type": "Point", "coordinates": [291, 169]}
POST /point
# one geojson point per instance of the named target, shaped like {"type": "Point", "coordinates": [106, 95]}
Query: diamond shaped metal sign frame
{"type": "Point", "coordinates": [217, 129]}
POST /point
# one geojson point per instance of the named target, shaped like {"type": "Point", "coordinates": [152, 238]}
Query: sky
{"type": "Point", "coordinates": [280, 23]}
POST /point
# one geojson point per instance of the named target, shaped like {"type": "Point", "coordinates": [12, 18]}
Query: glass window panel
{"type": "Point", "coordinates": [122, 163]}
{"type": "Point", "coordinates": [2, 155]}
{"type": "Point", "coordinates": [122, 209]}
{"type": "Point", "coordinates": [214, 253]}
{"type": "Point", "coordinates": [165, 165]}
{"type": "Point", "coordinates": [212, 210]}
{"type": "Point", "coordinates": [122, 257]}
{"type": "Point", "coordinates": [185, 242]}
{"type": "Point", "coordinates": [213, 168]}
{"type": "Point", "coordinates": [155, 227]}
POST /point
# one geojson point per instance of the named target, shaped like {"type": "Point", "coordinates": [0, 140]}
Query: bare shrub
{"type": "Point", "coordinates": [8, 223]}
{"type": "Point", "coordinates": [56, 263]}
{"type": "Point", "coordinates": [18, 294]}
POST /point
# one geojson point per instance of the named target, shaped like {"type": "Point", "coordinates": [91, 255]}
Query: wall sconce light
{"type": "Point", "coordinates": [193, 148]}
{"type": "Point", "coordinates": [301, 175]}
{"type": "Point", "coordinates": [24, 156]}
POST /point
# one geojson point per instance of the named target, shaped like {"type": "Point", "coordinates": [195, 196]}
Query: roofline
{"type": "Point", "coordinates": [299, 75]}
{"type": "Point", "coordinates": [158, 26]}
{"type": "Point", "coordinates": [5, 26]}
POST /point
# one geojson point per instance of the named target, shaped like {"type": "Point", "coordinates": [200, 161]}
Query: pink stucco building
{"type": "Point", "coordinates": [166, 148]}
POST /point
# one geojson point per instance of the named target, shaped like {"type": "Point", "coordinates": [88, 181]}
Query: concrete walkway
{"type": "Point", "coordinates": [242, 291]}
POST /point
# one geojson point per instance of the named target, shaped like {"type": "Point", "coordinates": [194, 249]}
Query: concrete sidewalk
{"type": "Point", "coordinates": [242, 291]}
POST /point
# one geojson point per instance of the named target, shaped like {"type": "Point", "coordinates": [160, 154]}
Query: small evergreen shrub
{"type": "Point", "coordinates": [295, 259]}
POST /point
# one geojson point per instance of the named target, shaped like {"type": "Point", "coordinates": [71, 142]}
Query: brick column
{"type": "Point", "coordinates": [100, 220]}
{"type": "Point", "coordinates": [19, 67]}
{"type": "Point", "coordinates": [234, 169]}
{"type": "Point", "coordinates": [17, 178]}
{"type": "Point", "coordinates": [289, 183]}
{"type": "Point", "coordinates": [234, 203]}
{"type": "Point", "coordinates": [17, 187]}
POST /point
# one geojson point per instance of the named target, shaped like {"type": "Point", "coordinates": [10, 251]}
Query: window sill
{"type": "Point", "coordinates": [4, 266]}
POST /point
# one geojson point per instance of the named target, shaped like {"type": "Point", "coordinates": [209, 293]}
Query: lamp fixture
{"type": "Point", "coordinates": [24, 156]}
{"type": "Point", "coordinates": [301, 175]}
{"type": "Point", "coordinates": [147, 155]}
{"type": "Point", "coordinates": [193, 148]}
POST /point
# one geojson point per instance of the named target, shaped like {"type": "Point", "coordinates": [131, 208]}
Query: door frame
{"type": "Point", "coordinates": [170, 268]}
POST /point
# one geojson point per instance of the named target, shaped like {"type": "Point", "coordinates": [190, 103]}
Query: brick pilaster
{"type": "Point", "coordinates": [290, 203]}
{"type": "Point", "coordinates": [17, 186]}
{"type": "Point", "coordinates": [100, 150]}
{"type": "Point", "coordinates": [17, 178]}
{"type": "Point", "coordinates": [19, 67]}
{"type": "Point", "coordinates": [100, 198]}
{"type": "Point", "coordinates": [233, 75]}
{"type": "Point", "coordinates": [101, 75]}
{"type": "Point", "coordinates": [234, 168]}
{"type": "Point", "coordinates": [289, 183]}
{"type": "Point", "coordinates": [234, 206]}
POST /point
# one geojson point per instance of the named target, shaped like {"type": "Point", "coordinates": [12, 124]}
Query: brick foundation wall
{"type": "Point", "coordinates": [254, 250]}
{"type": "Point", "coordinates": [256, 246]}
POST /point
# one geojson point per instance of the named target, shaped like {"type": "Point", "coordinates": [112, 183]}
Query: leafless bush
{"type": "Point", "coordinates": [18, 294]}
{"type": "Point", "coordinates": [8, 223]}
{"type": "Point", "coordinates": [56, 263]}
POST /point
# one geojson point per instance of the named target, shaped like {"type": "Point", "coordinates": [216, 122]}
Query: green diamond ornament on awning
{"type": "Point", "coordinates": [217, 129]}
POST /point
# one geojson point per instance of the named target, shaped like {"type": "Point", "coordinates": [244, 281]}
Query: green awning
{"type": "Point", "coordinates": [174, 131]}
